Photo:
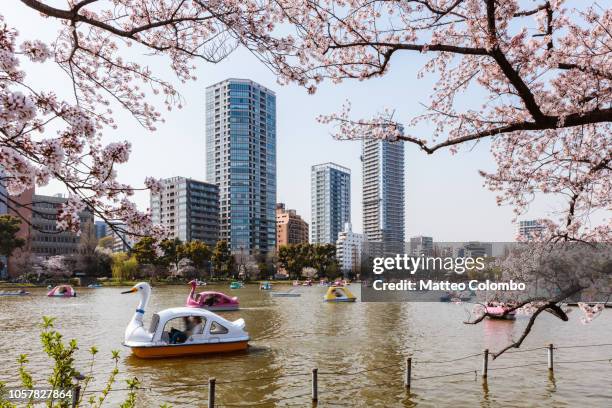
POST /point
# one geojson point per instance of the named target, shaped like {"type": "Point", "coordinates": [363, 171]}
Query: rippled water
{"type": "Point", "coordinates": [290, 336]}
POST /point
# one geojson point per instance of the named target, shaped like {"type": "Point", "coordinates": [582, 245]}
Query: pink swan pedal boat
{"type": "Point", "coordinates": [500, 312]}
{"type": "Point", "coordinates": [213, 301]}
{"type": "Point", "coordinates": [62, 291]}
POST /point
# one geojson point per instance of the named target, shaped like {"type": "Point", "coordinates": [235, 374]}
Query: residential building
{"type": "Point", "coordinates": [122, 242]}
{"type": "Point", "coordinates": [241, 161]}
{"type": "Point", "coordinates": [290, 227]}
{"type": "Point", "coordinates": [21, 208]}
{"type": "Point", "coordinates": [330, 202]}
{"type": "Point", "coordinates": [189, 209]}
{"type": "Point", "coordinates": [348, 250]}
{"type": "Point", "coordinates": [475, 249]}
{"type": "Point", "coordinates": [46, 239]}
{"type": "Point", "coordinates": [421, 245]}
{"type": "Point", "coordinates": [529, 229]}
{"type": "Point", "coordinates": [100, 227]}
{"type": "Point", "coordinates": [383, 194]}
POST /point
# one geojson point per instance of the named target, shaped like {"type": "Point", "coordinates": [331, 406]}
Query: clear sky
{"type": "Point", "coordinates": [445, 197]}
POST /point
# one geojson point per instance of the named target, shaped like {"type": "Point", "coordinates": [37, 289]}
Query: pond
{"type": "Point", "coordinates": [359, 349]}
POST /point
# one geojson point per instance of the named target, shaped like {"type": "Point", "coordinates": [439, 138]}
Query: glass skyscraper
{"type": "Point", "coordinates": [241, 160]}
{"type": "Point", "coordinates": [331, 202]}
{"type": "Point", "coordinates": [383, 194]}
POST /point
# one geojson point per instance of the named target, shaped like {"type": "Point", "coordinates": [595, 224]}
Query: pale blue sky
{"type": "Point", "coordinates": [445, 197]}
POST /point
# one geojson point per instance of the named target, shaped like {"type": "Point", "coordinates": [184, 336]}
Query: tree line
{"type": "Point", "coordinates": [295, 258]}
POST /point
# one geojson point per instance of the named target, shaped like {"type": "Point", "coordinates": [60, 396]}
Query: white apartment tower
{"type": "Point", "coordinates": [330, 202]}
{"type": "Point", "coordinates": [348, 249]}
{"type": "Point", "coordinates": [383, 193]}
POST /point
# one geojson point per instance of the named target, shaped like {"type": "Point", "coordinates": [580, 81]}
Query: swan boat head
{"type": "Point", "coordinates": [135, 331]}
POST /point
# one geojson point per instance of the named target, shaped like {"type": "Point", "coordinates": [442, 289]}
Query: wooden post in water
{"type": "Point", "coordinates": [550, 357]}
{"type": "Point", "coordinates": [315, 389]}
{"type": "Point", "coordinates": [485, 363]}
{"type": "Point", "coordinates": [211, 392]}
{"type": "Point", "coordinates": [76, 394]}
{"type": "Point", "coordinates": [408, 373]}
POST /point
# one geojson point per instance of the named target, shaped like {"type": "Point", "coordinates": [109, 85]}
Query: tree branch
{"type": "Point", "coordinates": [549, 122]}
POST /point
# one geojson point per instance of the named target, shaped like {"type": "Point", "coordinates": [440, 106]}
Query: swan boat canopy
{"type": "Point", "coordinates": [181, 331]}
{"type": "Point", "coordinates": [339, 294]}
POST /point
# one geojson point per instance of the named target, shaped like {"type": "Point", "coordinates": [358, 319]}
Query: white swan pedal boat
{"type": "Point", "coordinates": [181, 331]}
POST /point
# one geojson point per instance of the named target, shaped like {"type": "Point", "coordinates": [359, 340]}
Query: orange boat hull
{"type": "Point", "coordinates": [179, 350]}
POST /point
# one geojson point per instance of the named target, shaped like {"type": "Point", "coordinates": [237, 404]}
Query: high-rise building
{"type": "Point", "coordinates": [290, 227]}
{"type": "Point", "coordinates": [241, 161]}
{"type": "Point", "coordinates": [47, 240]}
{"type": "Point", "coordinates": [330, 202]}
{"type": "Point", "coordinates": [188, 208]}
{"type": "Point", "coordinates": [383, 194]}
{"type": "Point", "coordinates": [529, 229]}
{"type": "Point", "coordinates": [348, 250]}
{"type": "Point", "coordinates": [421, 245]}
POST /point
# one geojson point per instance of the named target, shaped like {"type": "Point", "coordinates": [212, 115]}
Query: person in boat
{"type": "Point", "coordinates": [178, 336]}
{"type": "Point", "coordinates": [196, 326]}
{"type": "Point", "coordinates": [338, 293]}
{"type": "Point", "coordinates": [211, 300]}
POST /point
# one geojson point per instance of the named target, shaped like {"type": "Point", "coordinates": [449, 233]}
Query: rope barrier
{"type": "Point", "coordinates": [361, 386]}
{"type": "Point", "coordinates": [515, 366]}
{"type": "Point", "coordinates": [525, 350]}
{"type": "Point", "coordinates": [358, 372]}
{"type": "Point", "coordinates": [151, 388]}
{"type": "Point", "coordinates": [447, 361]}
{"type": "Point", "coordinates": [264, 402]}
{"type": "Point", "coordinates": [607, 360]}
{"type": "Point", "coordinates": [446, 375]}
{"type": "Point", "coordinates": [263, 378]}
{"type": "Point", "coordinates": [584, 345]}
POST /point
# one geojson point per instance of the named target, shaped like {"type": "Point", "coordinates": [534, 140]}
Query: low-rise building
{"type": "Point", "coordinates": [475, 249]}
{"type": "Point", "coordinates": [421, 245]}
{"type": "Point", "coordinates": [290, 227]}
{"type": "Point", "coordinates": [122, 242]}
{"type": "Point", "coordinates": [46, 239]}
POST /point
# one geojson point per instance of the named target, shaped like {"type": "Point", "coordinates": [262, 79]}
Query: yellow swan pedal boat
{"type": "Point", "coordinates": [339, 294]}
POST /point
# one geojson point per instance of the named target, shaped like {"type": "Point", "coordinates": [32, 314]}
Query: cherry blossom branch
{"type": "Point", "coordinates": [547, 304]}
